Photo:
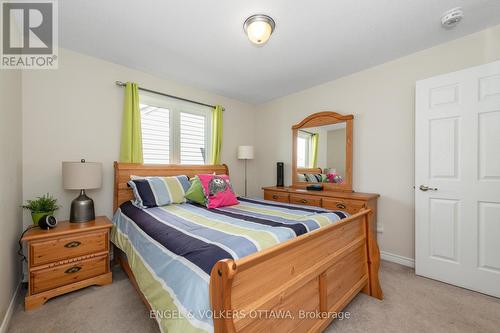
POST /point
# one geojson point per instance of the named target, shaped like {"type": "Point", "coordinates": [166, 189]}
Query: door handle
{"type": "Point", "coordinates": [427, 188]}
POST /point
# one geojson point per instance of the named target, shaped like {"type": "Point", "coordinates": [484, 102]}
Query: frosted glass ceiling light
{"type": "Point", "coordinates": [259, 28]}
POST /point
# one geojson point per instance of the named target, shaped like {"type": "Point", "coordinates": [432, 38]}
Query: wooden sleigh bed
{"type": "Point", "coordinates": [313, 276]}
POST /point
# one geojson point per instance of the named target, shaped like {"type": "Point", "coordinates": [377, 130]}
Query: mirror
{"type": "Point", "coordinates": [322, 148]}
{"type": "Point", "coordinates": [322, 151]}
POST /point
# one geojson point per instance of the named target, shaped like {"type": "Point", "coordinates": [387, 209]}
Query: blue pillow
{"type": "Point", "coordinates": [159, 191]}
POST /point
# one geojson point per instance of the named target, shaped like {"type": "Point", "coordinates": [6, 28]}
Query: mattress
{"type": "Point", "coordinates": [172, 249]}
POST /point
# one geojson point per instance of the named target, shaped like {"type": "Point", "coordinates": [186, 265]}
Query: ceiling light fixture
{"type": "Point", "coordinates": [259, 28]}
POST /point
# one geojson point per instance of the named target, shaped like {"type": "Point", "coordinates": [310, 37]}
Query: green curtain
{"type": "Point", "coordinates": [131, 142]}
{"type": "Point", "coordinates": [314, 150]}
{"type": "Point", "coordinates": [216, 134]}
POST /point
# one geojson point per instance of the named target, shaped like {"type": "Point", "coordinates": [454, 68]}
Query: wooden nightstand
{"type": "Point", "coordinates": [69, 257]}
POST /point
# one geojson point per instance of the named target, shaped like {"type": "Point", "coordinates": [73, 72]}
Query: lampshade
{"type": "Point", "coordinates": [81, 175]}
{"type": "Point", "coordinates": [245, 152]}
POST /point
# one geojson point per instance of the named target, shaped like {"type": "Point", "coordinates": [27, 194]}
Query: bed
{"type": "Point", "coordinates": [257, 266]}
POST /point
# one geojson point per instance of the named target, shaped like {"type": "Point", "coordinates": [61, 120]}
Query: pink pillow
{"type": "Point", "coordinates": [334, 178]}
{"type": "Point", "coordinates": [218, 191]}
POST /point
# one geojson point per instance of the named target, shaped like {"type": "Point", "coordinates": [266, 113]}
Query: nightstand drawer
{"type": "Point", "coordinates": [53, 277]}
{"type": "Point", "coordinates": [308, 200]}
{"type": "Point", "coordinates": [349, 206]}
{"type": "Point", "coordinates": [53, 250]}
{"type": "Point", "coordinates": [276, 196]}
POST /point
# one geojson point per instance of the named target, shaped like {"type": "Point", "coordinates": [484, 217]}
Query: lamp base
{"type": "Point", "coordinates": [82, 209]}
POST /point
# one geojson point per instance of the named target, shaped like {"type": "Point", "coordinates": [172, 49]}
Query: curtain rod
{"type": "Point", "coordinates": [122, 84]}
{"type": "Point", "coordinates": [301, 130]}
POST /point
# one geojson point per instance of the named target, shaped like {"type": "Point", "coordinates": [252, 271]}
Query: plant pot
{"type": "Point", "coordinates": [38, 215]}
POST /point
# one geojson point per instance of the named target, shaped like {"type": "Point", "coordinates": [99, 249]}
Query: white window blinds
{"type": "Point", "coordinates": [155, 123]}
{"type": "Point", "coordinates": [192, 138]}
{"type": "Point", "coordinates": [174, 132]}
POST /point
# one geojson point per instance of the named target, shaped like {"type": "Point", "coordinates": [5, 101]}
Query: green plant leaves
{"type": "Point", "coordinates": [45, 203]}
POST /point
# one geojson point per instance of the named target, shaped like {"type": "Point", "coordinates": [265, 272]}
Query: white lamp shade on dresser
{"type": "Point", "coordinates": [245, 152]}
{"type": "Point", "coordinates": [81, 175]}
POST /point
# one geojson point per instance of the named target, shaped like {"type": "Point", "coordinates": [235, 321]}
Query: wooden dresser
{"type": "Point", "coordinates": [66, 258]}
{"type": "Point", "coordinates": [350, 202]}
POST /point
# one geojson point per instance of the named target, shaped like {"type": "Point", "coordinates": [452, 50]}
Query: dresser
{"type": "Point", "coordinates": [351, 202]}
{"type": "Point", "coordinates": [69, 257]}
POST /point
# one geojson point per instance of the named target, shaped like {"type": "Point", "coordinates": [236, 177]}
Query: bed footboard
{"type": "Point", "coordinates": [300, 285]}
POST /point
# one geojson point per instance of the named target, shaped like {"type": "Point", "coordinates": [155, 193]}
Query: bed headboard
{"type": "Point", "coordinates": [123, 171]}
{"type": "Point", "coordinates": [309, 170]}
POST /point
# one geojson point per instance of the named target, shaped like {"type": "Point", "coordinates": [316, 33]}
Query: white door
{"type": "Point", "coordinates": [457, 178]}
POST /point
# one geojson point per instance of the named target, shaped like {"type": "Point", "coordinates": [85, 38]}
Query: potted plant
{"type": "Point", "coordinates": [44, 205]}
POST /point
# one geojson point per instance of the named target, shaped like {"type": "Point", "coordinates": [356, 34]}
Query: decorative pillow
{"type": "Point", "coordinates": [218, 191]}
{"type": "Point", "coordinates": [334, 178]}
{"type": "Point", "coordinates": [314, 177]}
{"type": "Point", "coordinates": [159, 191]}
{"type": "Point", "coordinates": [195, 192]}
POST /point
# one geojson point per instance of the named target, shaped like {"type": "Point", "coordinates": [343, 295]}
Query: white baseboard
{"type": "Point", "coordinates": [396, 258]}
{"type": "Point", "coordinates": [10, 310]}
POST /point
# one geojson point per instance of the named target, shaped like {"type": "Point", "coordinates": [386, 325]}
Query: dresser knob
{"type": "Point", "coordinates": [72, 244]}
{"type": "Point", "coordinates": [275, 196]}
{"type": "Point", "coordinates": [340, 206]}
{"type": "Point", "coordinates": [72, 270]}
{"type": "Point", "coordinates": [304, 201]}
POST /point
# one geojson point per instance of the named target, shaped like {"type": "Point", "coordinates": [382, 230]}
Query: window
{"type": "Point", "coordinates": [174, 132]}
{"type": "Point", "coordinates": [193, 139]}
{"type": "Point", "coordinates": [303, 147]}
{"type": "Point", "coordinates": [155, 123]}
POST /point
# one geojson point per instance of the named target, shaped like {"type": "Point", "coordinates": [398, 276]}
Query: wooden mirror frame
{"type": "Point", "coordinates": [321, 119]}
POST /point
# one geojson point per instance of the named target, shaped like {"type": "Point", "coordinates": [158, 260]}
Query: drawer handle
{"type": "Point", "coordinates": [275, 196]}
{"type": "Point", "coordinates": [340, 206]}
{"type": "Point", "coordinates": [72, 270]}
{"type": "Point", "coordinates": [72, 244]}
{"type": "Point", "coordinates": [303, 201]}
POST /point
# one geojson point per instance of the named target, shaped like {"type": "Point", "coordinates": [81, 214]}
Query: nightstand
{"type": "Point", "coordinates": [69, 257]}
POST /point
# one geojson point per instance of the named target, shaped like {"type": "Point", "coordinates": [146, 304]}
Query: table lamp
{"type": "Point", "coordinates": [245, 153]}
{"type": "Point", "coordinates": [82, 176]}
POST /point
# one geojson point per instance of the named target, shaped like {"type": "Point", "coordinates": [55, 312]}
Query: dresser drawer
{"type": "Point", "coordinates": [308, 200]}
{"type": "Point", "coordinates": [53, 277]}
{"type": "Point", "coordinates": [276, 196]}
{"type": "Point", "coordinates": [350, 206]}
{"type": "Point", "coordinates": [53, 250]}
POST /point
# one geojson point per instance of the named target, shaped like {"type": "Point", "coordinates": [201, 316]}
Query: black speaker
{"type": "Point", "coordinates": [280, 179]}
{"type": "Point", "coordinates": [47, 222]}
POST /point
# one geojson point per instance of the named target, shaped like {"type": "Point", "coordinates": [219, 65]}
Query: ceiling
{"type": "Point", "coordinates": [201, 43]}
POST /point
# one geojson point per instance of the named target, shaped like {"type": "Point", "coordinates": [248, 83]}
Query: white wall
{"type": "Point", "coordinates": [75, 112]}
{"type": "Point", "coordinates": [382, 101]}
{"type": "Point", "coordinates": [335, 156]}
{"type": "Point", "coordinates": [10, 191]}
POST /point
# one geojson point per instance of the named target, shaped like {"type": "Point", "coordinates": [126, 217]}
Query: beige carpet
{"type": "Point", "coordinates": [411, 304]}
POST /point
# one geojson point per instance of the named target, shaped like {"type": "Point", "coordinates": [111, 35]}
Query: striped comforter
{"type": "Point", "coordinates": [172, 249]}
